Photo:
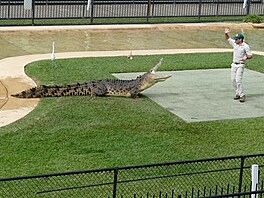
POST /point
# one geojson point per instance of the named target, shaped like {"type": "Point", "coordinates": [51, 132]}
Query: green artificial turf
{"type": "Point", "coordinates": [76, 133]}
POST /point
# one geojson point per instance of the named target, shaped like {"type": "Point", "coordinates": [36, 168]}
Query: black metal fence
{"type": "Point", "coordinates": [89, 10]}
{"type": "Point", "coordinates": [196, 178]}
{"type": "Point", "coordinates": [247, 193]}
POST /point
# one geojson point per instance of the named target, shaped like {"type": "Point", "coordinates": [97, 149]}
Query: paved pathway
{"type": "Point", "coordinates": [206, 95]}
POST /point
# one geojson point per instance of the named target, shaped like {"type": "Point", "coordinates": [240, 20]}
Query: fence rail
{"type": "Point", "coordinates": [141, 9]}
{"type": "Point", "coordinates": [204, 177]}
{"type": "Point", "coordinates": [100, 2]}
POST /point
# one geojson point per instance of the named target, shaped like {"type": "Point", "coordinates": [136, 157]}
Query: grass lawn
{"type": "Point", "coordinates": [75, 133]}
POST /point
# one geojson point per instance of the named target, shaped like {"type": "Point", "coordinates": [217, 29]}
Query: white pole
{"type": "Point", "coordinates": [88, 4]}
{"type": "Point", "coordinates": [28, 4]}
{"type": "Point", "coordinates": [245, 4]}
{"type": "Point", "coordinates": [254, 179]}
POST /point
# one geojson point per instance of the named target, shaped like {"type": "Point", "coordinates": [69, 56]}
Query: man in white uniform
{"type": "Point", "coordinates": [241, 53]}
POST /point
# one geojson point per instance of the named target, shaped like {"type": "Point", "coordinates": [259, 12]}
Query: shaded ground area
{"type": "Point", "coordinates": [205, 95]}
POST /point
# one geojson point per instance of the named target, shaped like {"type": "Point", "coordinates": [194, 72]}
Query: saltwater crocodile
{"type": "Point", "coordinates": [108, 87]}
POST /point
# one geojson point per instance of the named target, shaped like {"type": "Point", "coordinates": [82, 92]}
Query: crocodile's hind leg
{"type": "Point", "coordinates": [134, 92]}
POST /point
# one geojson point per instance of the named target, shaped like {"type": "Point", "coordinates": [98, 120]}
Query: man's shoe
{"type": "Point", "coordinates": [242, 99]}
{"type": "Point", "coordinates": [237, 97]}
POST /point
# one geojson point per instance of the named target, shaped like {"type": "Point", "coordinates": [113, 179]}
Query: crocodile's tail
{"type": "Point", "coordinates": [54, 91]}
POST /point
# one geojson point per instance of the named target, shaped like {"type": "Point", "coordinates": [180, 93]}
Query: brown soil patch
{"type": "Point", "coordinates": [3, 95]}
{"type": "Point", "coordinates": [14, 85]}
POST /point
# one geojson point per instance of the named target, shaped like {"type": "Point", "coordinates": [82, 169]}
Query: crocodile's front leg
{"type": "Point", "coordinates": [134, 92]}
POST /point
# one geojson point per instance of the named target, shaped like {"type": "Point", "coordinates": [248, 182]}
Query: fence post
{"type": "Point", "coordinates": [115, 182]}
{"type": "Point", "coordinates": [8, 10]}
{"type": "Point", "coordinates": [217, 8]}
{"type": "Point", "coordinates": [33, 11]}
{"type": "Point", "coordinates": [241, 174]}
{"type": "Point", "coordinates": [84, 4]}
{"type": "Point", "coordinates": [92, 11]}
{"type": "Point", "coordinates": [254, 179]}
{"type": "Point", "coordinates": [148, 10]}
{"type": "Point", "coordinates": [200, 10]}
{"type": "Point", "coordinates": [248, 6]}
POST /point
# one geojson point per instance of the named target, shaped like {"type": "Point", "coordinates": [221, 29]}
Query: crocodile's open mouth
{"type": "Point", "coordinates": [162, 78]}
{"type": "Point", "coordinates": [159, 78]}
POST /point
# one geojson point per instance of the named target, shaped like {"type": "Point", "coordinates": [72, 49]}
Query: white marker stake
{"type": "Point", "coordinates": [88, 4]}
{"type": "Point", "coordinates": [245, 4]}
{"type": "Point", "coordinates": [53, 52]}
{"type": "Point", "coordinates": [254, 178]}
